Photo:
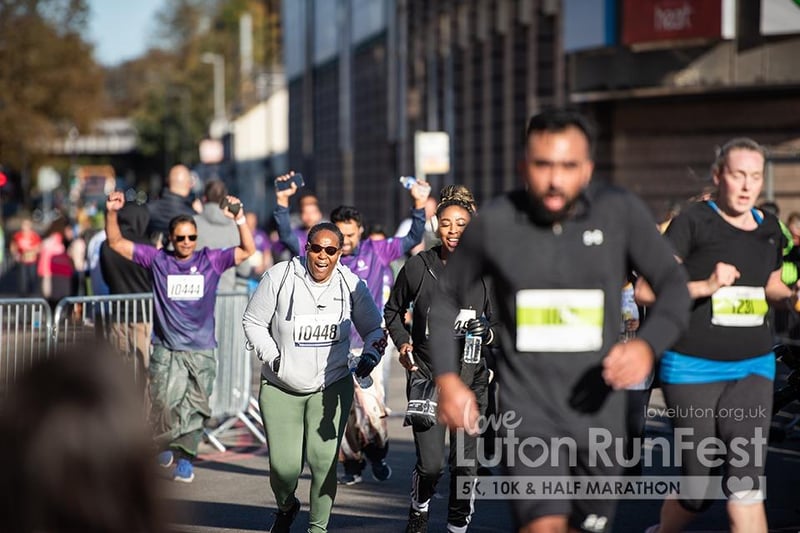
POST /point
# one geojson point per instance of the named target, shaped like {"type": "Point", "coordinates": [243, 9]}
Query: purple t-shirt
{"type": "Point", "coordinates": [184, 293]}
{"type": "Point", "coordinates": [261, 240]}
{"type": "Point", "coordinates": [371, 262]}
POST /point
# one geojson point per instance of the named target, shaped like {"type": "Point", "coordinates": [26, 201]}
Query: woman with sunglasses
{"type": "Point", "coordinates": [299, 322]}
{"type": "Point", "coordinates": [182, 365]}
{"type": "Point", "coordinates": [415, 288]}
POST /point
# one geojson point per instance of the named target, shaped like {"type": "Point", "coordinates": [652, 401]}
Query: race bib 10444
{"type": "Point", "coordinates": [185, 287]}
{"type": "Point", "coordinates": [561, 320]}
{"type": "Point", "coordinates": [316, 330]}
{"type": "Point", "coordinates": [739, 307]}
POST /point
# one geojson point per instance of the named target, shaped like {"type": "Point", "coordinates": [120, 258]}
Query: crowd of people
{"type": "Point", "coordinates": [555, 308]}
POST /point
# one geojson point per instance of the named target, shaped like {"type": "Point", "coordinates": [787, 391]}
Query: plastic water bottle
{"type": "Point", "coordinates": [472, 349]}
{"type": "Point", "coordinates": [629, 312]}
{"type": "Point", "coordinates": [352, 364]}
{"type": "Point", "coordinates": [407, 181]}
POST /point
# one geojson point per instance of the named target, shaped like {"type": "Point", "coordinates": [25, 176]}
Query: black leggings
{"type": "Point", "coordinates": [724, 410]}
{"type": "Point", "coordinates": [462, 460]}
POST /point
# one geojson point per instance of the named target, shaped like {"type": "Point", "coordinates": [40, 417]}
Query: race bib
{"type": "Point", "coordinates": [460, 325]}
{"type": "Point", "coordinates": [185, 287]}
{"type": "Point", "coordinates": [739, 307]}
{"type": "Point", "coordinates": [316, 330]}
{"type": "Point", "coordinates": [563, 320]}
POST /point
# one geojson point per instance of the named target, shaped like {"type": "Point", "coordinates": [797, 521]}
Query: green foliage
{"type": "Point", "coordinates": [49, 78]}
{"type": "Point", "coordinates": [169, 91]}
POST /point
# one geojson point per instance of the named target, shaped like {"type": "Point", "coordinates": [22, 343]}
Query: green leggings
{"type": "Point", "coordinates": [317, 421]}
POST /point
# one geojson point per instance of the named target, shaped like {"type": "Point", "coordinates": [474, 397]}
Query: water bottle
{"type": "Point", "coordinates": [407, 181]}
{"type": "Point", "coordinates": [629, 312]}
{"type": "Point", "coordinates": [352, 364]}
{"type": "Point", "coordinates": [472, 349]}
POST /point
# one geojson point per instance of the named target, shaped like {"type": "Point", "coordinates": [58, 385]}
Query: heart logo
{"type": "Point", "coordinates": [740, 485]}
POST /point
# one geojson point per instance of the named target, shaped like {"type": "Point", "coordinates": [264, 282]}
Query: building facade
{"type": "Point", "coordinates": [665, 80]}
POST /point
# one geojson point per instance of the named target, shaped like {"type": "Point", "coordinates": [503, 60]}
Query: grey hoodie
{"type": "Point", "coordinates": [312, 335]}
{"type": "Point", "coordinates": [215, 230]}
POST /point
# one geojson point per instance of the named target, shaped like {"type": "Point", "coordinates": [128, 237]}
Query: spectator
{"type": "Point", "coordinates": [215, 230]}
{"type": "Point", "coordinates": [131, 337]}
{"type": "Point", "coordinates": [55, 267]}
{"type": "Point", "coordinates": [25, 246]}
{"type": "Point", "coordinates": [175, 200]}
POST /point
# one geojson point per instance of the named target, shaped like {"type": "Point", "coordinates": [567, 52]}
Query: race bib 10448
{"type": "Point", "coordinates": [561, 320]}
{"type": "Point", "coordinates": [316, 330]}
{"type": "Point", "coordinates": [739, 307]}
{"type": "Point", "coordinates": [185, 287]}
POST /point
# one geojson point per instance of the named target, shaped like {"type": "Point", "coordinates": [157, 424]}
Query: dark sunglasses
{"type": "Point", "coordinates": [181, 238]}
{"type": "Point", "coordinates": [316, 248]}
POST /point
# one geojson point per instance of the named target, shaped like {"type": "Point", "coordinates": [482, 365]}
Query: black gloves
{"type": "Point", "coordinates": [479, 327]}
{"type": "Point", "coordinates": [366, 363]}
{"type": "Point", "coordinates": [276, 364]}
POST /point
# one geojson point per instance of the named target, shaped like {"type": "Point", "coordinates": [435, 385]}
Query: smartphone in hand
{"type": "Point", "coordinates": [233, 208]}
{"type": "Point", "coordinates": [297, 179]}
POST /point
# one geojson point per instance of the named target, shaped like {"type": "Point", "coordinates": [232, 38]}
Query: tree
{"type": "Point", "coordinates": [50, 81]}
{"type": "Point", "coordinates": [169, 91]}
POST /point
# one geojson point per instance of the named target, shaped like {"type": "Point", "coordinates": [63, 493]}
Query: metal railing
{"type": "Point", "coordinates": [24, 336]}
{"type": "Point", "coordinates": [29, 331]}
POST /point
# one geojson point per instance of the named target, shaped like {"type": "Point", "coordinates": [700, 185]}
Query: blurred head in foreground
{"type": "Point", "coordinates": [75, 454]}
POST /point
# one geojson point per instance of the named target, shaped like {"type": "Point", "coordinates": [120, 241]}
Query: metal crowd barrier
{"type": "Point", "coordinates": [28, 332]}
{"type": "Point", "coordinates": [231, 397]}
{"type": "Point", "coordinates": [24, 336]}
{"type": "Point", "coordinates": [123, 320]}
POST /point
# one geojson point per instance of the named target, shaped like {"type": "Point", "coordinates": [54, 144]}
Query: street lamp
{"type": "Point", "coordinates": [220, 122]}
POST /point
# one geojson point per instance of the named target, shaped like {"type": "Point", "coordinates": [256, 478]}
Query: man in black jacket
{"type": "Point", "coordinates": [130, 331]}
{"type": "Point", "coordinates": [175, 200]}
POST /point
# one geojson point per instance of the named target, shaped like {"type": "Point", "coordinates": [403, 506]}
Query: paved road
{"type": "Point", "coordinates": [231, 491]}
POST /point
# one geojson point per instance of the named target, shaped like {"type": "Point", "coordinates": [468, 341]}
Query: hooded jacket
{"type": "Point", "coordinates": [121, 275]}
{"type": "Point", "coordinates": [311, 334]}
{"type": "Point", "coordinates": [215, 230]}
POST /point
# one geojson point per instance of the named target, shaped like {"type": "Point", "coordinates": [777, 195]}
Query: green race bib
{"type": "Point", "coordinates": [739, 307]}
{"type": "Point", "coordinates": [562, 320]}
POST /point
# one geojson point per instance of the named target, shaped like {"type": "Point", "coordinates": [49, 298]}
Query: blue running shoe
{"type": "Point", "coordinates": [184, 472]}
{"type": "Point", "coordinates": [165, 459]}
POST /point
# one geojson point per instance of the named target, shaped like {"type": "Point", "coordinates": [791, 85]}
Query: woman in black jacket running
{"type": "Point", "coordinates": [414, 289]}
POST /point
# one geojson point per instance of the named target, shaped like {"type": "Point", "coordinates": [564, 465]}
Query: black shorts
{"type": "Point", "coordinates": [565, 436]}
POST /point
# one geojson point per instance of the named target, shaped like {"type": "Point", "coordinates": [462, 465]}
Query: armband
{"type": "Point", "coordinates": [240, 221]}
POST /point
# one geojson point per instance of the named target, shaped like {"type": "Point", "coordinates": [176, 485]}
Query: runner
{"type": "Point", "coordinates": [182, 364]}
{"type": "Point", "coordinates": [369, 260]}
{"type": "Point", "coordinates": [416, 288]}
{"type": "Point", "coordinates": [724, 363]}
{"type": "Point", "coordinates": [555, 254]}
{"type": "Point", "coordinates": [299, 321]}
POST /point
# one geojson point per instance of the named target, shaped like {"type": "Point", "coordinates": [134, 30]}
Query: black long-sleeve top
{"type": "Point", "coordinates": [548, 277]}
{"type": "Point", "coordinates": [417, 283]}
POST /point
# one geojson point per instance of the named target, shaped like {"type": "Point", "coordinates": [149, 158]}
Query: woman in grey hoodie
{"type": "Point", "coordinates": [299, 321]}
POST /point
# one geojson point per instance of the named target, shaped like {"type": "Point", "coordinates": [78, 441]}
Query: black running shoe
{"type": "Point", "coordinates": [417, 521]}
{"type": "Point", "coordinates": [284, 519]}
{"type": "Point", "coordinates": [381, 471]}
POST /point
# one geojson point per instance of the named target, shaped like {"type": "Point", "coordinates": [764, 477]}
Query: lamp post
{"type": "Point", "coordinates": [220, 122]}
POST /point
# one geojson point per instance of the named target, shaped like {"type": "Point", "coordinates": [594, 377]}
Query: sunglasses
{"type": "Point", "coordinates": [181, 238]}
{"type": "Point", "coordinates": [316, 248]}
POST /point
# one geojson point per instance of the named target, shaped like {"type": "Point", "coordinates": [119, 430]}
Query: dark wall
{"type": "Point", "coordinates": [662, 148]}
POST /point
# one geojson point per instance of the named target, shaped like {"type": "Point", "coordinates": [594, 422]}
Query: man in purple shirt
{"type": "Point", "coordinates": [371, 261]}
{"type": "Point", "coordinates": [182, 365]}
